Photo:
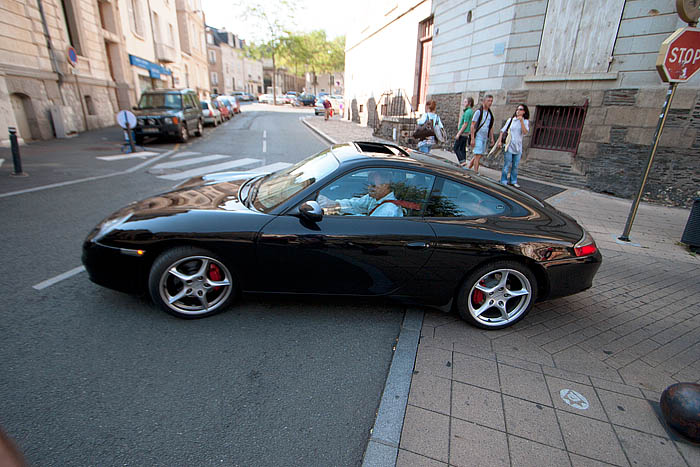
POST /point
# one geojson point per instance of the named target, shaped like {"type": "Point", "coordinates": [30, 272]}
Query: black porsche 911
{"type": "Point", "coordinates": [358, 219]}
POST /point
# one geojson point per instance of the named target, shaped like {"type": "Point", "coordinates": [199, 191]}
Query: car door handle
{"type": "Point", "coordinates": [417, 245]}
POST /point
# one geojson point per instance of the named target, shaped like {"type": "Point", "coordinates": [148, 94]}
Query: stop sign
{"type": "Point", "coordinates": [679, 56]}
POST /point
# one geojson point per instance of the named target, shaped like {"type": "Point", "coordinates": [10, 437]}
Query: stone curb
{"type": "Point", "coordinates": [383, 446]}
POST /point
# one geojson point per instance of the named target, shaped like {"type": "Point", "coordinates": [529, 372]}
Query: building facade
{"type": "Point", "coordinates": [41, 93]}
{"type": "Point", "coordinates": [193, 47]}
{"type": "Point", "coordinates": [230, 70]}
{"type": "Point", "coordinates": [150, 31]}
{"type": "Point", "coordinates": [585, 68]}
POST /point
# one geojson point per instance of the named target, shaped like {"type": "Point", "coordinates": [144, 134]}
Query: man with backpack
{"type": "Point", "coordinates": [481, 131]}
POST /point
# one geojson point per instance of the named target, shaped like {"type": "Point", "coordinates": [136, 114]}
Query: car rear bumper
{"type": "Point", "coordinates": [572, 276]}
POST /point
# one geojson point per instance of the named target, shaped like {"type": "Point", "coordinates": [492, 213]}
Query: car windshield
{"type": "Point", "coordinates": [205, 105]}
{"type": "Point", "coordinates": [160, 101]}
{"type": "Point", "coordinates": [278, 187]}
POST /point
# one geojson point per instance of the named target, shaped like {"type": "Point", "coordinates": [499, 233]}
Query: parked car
{"type": "Point", "coordinates": [223, 107]}
{"type": "Point", "coordinates": [210, 113]}
{"type": "Point", "coordinates": [168, 112]}
{"type": "Point", "coordinates": [289, 97]}
{"type": "Point", "coordinates": [306, 99]}
{"type": "Point", "coordinates": [445, 238]}
{"type": "Point", "coordinates": [267, 99]}
{"type": "Point", "coordinates": [234, 103]}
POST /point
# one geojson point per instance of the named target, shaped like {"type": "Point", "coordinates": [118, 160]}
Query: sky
{"type": "Point", "coordinates": [328, 15]}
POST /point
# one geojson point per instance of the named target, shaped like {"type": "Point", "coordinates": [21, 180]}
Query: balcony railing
{"type": "Point", "coordinates": [165, 53]}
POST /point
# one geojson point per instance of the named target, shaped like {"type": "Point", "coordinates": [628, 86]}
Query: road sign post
{"type": "Point", "coordinates": [677, 62]}
{"type": "Point", "coordinates": [127, 120]}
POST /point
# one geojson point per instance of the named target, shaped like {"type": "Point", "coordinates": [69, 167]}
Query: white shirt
{"type": "Point", "coordinates": [516, 132]}
{"type": "Point", "coordinates": [364, 205]}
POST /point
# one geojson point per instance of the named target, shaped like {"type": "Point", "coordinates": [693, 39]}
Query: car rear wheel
{"type": "Point", "coordinates": [497, 295]}
{"type": "Point", "coordinates": [184, 134]}
{"type": "Point", "coordinates": [190, 282]}
{"type": "Point", "coordinates": [200, 129]}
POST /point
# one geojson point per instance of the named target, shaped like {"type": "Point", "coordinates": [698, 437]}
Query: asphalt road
{"type": "Point", "coordinates": [90, 376]}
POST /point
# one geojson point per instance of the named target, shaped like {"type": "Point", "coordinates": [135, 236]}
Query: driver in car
{"type": "Point", "coordinates": [379, 201]}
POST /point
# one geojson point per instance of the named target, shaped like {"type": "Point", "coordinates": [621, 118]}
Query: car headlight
{"type": "Point", "coordinates": [110, 224]}
{"type": "Point", "coordinates": [168, 120]}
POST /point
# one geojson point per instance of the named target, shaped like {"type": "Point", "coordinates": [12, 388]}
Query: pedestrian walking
{"type": "Point", "coordinates": [516, 127]}
{"type": "Point", "coordinates": [463, 136]}
{"type": "Point", "coordinates": [481, 131]}
{"type": "Point", "coordinates": [426, 143]}
{"type": "Point", "coordinates": [327, 107]}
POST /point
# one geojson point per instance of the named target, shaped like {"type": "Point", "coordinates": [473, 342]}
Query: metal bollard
{"type": "Point", "coordinates": [17, 161]}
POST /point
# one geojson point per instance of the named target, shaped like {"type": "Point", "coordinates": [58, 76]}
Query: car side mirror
{"type": "Point", "coordinates": [311, 211]}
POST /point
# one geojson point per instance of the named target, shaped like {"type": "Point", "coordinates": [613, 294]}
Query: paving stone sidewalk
{"type": "Point", "coordinates": [512, 397]}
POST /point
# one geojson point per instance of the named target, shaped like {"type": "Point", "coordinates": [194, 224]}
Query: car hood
{"type": "Point", "coordinates": [222, 196]}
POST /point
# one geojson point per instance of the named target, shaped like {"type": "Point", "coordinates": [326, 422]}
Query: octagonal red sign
{"type": "Point", "coordinates": [679, 56]}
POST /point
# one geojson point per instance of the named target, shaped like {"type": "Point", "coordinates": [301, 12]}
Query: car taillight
{"type": "Point", "coordinates": [175, 120]}
{"type": "Point", "coordinates": [586, 246]}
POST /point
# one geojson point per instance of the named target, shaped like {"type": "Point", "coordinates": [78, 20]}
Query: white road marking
{"type": "Point", "coordinates": [184, 162]}
{"type": "Point", "coordinates": [209, 169]}
{"type": "Point", "coordinates": [185, 153]}
{"type": "Point", "coordinates": [264, 134]}
{"type": "Point", "coordinates": [59, 278]}
{"type": "Point", "coordinates": [133, 155]}
{"type": "Point", "coordinates": [270, 167]}
{"type": "Point", "coordinates": [264, 146]}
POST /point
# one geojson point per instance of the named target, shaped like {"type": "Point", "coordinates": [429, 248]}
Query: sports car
{"type": "Point", "coordinates": [358, 219]}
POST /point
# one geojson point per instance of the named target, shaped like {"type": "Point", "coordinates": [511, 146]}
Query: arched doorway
{"type": "Point", "coordinates": [24, 115]}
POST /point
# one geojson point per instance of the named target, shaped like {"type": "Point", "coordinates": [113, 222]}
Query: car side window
{"type": "Point", "coordinates": [380, 192]}
{"type": "Point", "coordinates": [453, 199]}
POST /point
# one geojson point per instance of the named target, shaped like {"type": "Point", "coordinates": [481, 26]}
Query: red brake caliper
{"type": "Point", "coordinates": [215, 274]}
{"type": "Point", "coordinates": [478, 295]}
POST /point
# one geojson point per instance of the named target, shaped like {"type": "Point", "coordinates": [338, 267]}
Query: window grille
{"type": "Point", "coordinates": [558, 128]}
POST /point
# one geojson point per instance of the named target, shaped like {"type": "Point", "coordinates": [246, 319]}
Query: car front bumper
{"type": "Point", "coordinates": [115, 268]}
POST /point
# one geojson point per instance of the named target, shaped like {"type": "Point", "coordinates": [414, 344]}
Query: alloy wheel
{"type": "Point", "coordinates": [499, 297]}
{"type": "Point", "coordinates": [195, 285]}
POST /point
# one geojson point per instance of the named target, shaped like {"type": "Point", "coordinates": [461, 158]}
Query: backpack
{"type": "Point", "coordinates": [481, 115]}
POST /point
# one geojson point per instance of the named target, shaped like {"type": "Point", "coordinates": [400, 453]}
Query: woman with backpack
{"type": "Point", "coordinates": [426, 143]}
{"type": "Point", "coordinates": [516, 127]}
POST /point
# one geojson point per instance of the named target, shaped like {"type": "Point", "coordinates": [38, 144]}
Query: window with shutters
{"type": "Point", "coordinates": [578, 36]}
{"type": "Point", "coordinates": [135, 16]}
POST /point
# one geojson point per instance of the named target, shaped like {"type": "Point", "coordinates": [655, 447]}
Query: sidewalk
{"type": "Point", "coordinates": [510, 397]}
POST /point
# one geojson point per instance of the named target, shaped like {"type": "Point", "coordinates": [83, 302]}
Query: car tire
{"type": "Point", "coordinates": [216, 122]}
{"type": "Point", "coordinates": [184, 134]}
{"type": "Point", "coordinates": [200, 129]}
{"type": "Point", "coordinates": [138, 140]}
{"type": "Point", "coordinates": [497, 295]}
{"type": "Point", "coordinates": [190, 283]}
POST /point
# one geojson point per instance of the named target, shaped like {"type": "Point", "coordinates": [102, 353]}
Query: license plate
{"type": "Point", "coordinates": [150, 130]}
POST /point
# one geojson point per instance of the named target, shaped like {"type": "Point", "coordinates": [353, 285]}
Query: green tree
{"type": "Point", "coordinates": [274, 32]}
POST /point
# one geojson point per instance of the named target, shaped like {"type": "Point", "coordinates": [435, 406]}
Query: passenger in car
{"type": "Point", "coordinates": [380, 200]}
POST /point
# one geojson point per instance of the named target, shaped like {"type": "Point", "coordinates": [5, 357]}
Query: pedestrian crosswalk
{"type": "Point", "coordinates": [187, 164]}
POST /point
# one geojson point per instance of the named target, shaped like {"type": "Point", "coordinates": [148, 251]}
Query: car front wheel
{"type": "Point", "coordinates": [497, 295]}
{"type": "Point", "coordinates": [190, 282]}
{"type": "Point", "coordinates": [184, 134]}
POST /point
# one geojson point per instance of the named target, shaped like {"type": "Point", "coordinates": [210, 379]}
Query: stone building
{"type": "Point", "coordinates": [193, 47]}
{"type": "Point", "coordinates": [230, 70]}
{"type": "Point", "coordinates": [285, 80]}
{"type": "Point", "coordinates": [150, 31]}
{"type": "Point", "coordinates": [41, 93]}
{"type": "Point", "coordinates": [585, 68]}
{"type": "Point", "coordinates": [333, 83]}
